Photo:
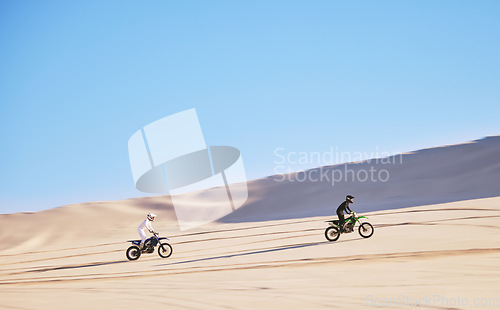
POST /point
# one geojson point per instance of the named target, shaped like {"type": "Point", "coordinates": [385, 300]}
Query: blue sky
{"type": "Point", "coordinates": [78, 78]}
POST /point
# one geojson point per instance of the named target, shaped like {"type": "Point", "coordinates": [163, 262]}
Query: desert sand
{"type": "Point", "coordinates": [436, 245]}
{"type": "Point", "coordinates": [442, 256]}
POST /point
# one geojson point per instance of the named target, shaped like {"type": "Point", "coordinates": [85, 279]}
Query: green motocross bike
{"type": "Point", "coordinates": [333, 232]}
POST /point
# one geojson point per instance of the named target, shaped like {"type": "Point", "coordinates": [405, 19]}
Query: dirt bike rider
{"type": "Point", "coordinates": [146, 225]}
{"type": "Point", "coordinates": [344, 207]}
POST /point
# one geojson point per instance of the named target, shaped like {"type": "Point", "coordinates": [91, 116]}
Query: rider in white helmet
{"type": "Point", "coordinates": [146, 226]}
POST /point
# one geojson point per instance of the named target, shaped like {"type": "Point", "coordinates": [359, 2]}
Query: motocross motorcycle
{"type": "Point", "coordinates": [164, 249]}
{"type": "Point", "coordinates": [333, 232]}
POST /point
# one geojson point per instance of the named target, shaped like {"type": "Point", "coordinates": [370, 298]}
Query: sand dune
{"type": "Point", "coordinates": [430, 176]}
{"type": "Point", "coordinates": [271, 253]}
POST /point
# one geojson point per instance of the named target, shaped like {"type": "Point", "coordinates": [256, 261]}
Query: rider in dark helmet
{"type": "Point", "coordinates": [344, 207]}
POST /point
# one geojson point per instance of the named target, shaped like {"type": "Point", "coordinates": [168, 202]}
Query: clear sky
{"type": "Point", "coordinates": [78, 78]}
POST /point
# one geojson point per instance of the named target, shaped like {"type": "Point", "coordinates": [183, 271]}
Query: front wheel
{"type": "Point", "coordinates": [366, 230]}
{"type": "Point", "coordinates": [332, 233]}
{"type": "Point", "coordinates": [133, 252]}
{"type": "Point", "coordinates": [165, 250]}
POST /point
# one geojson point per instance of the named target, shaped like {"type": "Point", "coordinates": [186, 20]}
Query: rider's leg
{"type": "Point", "coordinates": [341, 220]}
{"type": "Point", "coordinates": [143, 237]}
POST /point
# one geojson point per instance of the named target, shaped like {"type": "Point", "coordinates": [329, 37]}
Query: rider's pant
{"type": "Point", "coordinates": [341, 218]}
{"type": "Point", "coordinates": [142, 233]}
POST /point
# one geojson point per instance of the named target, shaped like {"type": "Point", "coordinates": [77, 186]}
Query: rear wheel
{"type": "Point", "coordinates": [133, 252]}
{"type": "Point", "coordinates": [332, 233]}
{"type": "Point", "coordinates": [366, 230]}
{"type": "Point", "coordinates": [165, 250]}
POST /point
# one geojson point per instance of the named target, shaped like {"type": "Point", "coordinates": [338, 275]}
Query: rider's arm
{"type": "Point", "coordinates": [149, 226]}
{"type": "Point", "coordinates": [347, 208]}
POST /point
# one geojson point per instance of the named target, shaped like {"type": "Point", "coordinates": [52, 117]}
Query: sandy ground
{"type": "Point", "coordinates": [444, 256]}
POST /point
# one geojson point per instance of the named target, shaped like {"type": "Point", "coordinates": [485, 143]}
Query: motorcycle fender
{"type": "Point", "coordinates": [362, 217]}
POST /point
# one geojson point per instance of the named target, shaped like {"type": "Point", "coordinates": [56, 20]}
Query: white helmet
{"type": "Point", "coordinates": [151, 216]}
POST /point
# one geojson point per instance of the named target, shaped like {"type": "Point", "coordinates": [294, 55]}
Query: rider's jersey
{"type": "Point", "coordinates": [343, 207]}
{"type": "Point", "coordinates": [146, 225]}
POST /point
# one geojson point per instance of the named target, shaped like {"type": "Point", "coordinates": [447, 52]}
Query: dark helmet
{"type": "Point", "coordinates": [349, 198]}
